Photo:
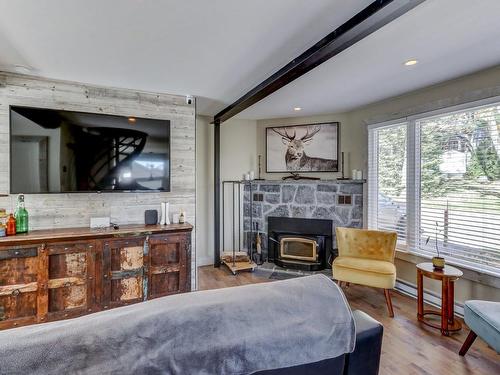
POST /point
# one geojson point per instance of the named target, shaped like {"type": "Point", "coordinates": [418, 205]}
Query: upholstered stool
{"type": "Point", "coordinates": [483, 318]}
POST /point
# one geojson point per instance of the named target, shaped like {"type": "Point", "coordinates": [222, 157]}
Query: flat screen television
{"type": "Point", "coordinates": [53, 151]}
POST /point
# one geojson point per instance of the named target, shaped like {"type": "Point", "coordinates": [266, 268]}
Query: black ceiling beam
{"type": "Point", "coordinates": [370, 19]}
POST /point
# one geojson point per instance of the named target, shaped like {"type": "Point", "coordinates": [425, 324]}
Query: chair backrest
{"type": "Point", "coordinates": [362, 243]}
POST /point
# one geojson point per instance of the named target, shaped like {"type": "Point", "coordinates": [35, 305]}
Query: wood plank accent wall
{"type": "Point", "coordinates": [74, 210]}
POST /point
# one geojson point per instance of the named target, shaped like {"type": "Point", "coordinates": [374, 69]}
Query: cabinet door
{"type": "Point", "coordinates": [168, 273]}
{"type": "Point", "coordinates": [124, 275]}
{"type": "Point", "coordinates": [19, 284]}
{"type": "Point", "coordinates": [71, 279]}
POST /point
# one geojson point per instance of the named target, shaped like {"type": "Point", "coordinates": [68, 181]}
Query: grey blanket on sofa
{"type": "Point", "coordinates": [236, 330]}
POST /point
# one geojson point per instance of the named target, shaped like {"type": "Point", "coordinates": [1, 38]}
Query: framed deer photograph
{"type": "Point", "coordinates": [303, 148]}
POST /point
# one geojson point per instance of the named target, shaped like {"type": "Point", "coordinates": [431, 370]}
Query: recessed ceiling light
{"type": "Point", "coordinates": [22, 69]}
{"type": "Point", "coordinates": [297, 109]}
{"type": "Point", "coordinates": [411, 62]}
{"type": "Point", "coordinates": [132, 120]}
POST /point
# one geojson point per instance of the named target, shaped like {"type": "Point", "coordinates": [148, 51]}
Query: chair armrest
{"type": "Point", "coordinates": [365, 360]}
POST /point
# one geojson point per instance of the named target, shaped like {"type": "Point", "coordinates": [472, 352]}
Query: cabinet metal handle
{"type": "Point", "coordinates": [67, 284]}
{"type": "Point", "coordinates": [17, 252]}
{"type": "Point", "coordinates": [16, 292]}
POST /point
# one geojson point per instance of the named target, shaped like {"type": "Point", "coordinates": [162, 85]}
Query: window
{"type": "Point", "coordinates": [389, 176]}
{"type": "Point", "coordinates": [436, 182]}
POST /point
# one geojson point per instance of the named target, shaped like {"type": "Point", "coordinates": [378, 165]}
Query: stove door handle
{"type": "Point", "coordinates": [274, 240]}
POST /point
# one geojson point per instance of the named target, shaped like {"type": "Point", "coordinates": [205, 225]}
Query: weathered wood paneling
{"type": "Point", "coordinates": [73, 210]}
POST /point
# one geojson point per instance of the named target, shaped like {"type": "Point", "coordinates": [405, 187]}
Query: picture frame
{"type": "Point", "coordinates": [305, 148]}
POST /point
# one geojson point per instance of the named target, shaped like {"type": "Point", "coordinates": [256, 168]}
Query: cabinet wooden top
{"type": "Point", "coordinates": [52, 235]}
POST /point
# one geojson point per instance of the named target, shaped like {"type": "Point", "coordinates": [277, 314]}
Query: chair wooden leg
{"type": "Point", "coordinates": [467, 343]}
{"type": "Point", "coordinates": [339, 283]}
{"type": "Point", "coordinates": [389, 302]}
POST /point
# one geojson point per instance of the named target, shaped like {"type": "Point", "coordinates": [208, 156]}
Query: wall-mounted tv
{"type": "Point", "coordinates": [53, 151]}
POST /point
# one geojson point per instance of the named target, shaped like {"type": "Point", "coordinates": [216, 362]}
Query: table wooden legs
{"type": "Point", "coordinates": [444, 307]}
{"type": "Point", "coordinates": [451, 302]}
{"type": "Point", "coordinates": [447, 313]}
{"type": "Point", "coordinates": [420, 295]}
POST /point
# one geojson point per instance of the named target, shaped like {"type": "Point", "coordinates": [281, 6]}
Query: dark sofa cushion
{"type": "Point", "coordinates": [365, 360]}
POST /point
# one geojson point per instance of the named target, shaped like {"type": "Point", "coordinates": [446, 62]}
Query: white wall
{"type": "Point", "coordinates": [238, 148]}
{"type": "Point", "coordinates": [204, 191]}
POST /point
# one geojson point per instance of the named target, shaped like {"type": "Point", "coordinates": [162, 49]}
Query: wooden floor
{"type": "Point", "coordinates": [408, 346]}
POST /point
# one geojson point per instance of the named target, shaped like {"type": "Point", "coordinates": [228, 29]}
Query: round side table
{"type": "Point", "coordinates": [448, 275]}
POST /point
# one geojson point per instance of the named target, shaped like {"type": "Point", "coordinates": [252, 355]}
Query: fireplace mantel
{"type": "Point", "coordinates": [304, 182]}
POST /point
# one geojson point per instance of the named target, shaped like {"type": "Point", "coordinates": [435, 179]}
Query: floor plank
{"type": "Point", "coordinates": [409, 347]}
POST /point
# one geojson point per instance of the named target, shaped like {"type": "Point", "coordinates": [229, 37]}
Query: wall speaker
{"type": "Point", "coordinates": [151, 217]}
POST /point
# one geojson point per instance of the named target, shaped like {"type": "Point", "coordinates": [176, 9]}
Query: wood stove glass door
{"type": "Point", "coordinates": [299, 249]}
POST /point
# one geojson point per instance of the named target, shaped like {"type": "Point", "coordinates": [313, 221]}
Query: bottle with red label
{"type": "Point", "coordinates": [11, 226]}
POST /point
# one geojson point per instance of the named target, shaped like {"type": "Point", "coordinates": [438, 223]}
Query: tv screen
{"type": "Point", "coordinates": [54, 151]}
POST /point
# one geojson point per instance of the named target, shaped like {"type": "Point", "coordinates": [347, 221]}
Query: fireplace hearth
{"type": "Point", "coordinates": [299, 243]}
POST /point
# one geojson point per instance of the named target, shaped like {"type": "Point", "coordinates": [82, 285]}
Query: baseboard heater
{"type": "Point", "coordinates": [430, 298]}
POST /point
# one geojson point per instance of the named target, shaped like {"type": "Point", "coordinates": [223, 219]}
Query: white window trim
{"type": "Point", "coordinates": [413, 183]}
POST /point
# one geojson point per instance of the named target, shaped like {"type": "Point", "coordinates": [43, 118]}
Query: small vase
{"type": "Point", "coordinates": [438, 263]}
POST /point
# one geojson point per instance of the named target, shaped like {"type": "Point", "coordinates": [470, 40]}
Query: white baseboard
{"type": "Point", "coordinates": [431, 298]}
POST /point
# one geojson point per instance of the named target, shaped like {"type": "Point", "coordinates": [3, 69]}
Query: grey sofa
{"type": "Point", "coordinates": [297, 326]}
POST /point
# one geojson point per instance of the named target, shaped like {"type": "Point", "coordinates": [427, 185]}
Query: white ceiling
{"type": "Point", "coordinates": [217, 50]}
{"type": "Point", "coordinates": [450, 38]}
{"type": "Point", "coordinates": [213, 49]}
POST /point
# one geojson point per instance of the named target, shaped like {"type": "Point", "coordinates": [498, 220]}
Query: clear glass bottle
{"type": "Point", "coordinates": [21, 215]}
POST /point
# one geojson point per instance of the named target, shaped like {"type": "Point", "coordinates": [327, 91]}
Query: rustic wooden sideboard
{"type": "Point", "coordinates": [56, 274]}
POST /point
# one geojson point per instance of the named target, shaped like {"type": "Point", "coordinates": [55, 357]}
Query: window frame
{"type": "Point", "coordinates": [413, 198]}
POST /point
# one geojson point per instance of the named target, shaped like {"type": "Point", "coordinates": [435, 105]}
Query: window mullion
{"type": "Point", "coordinates": [372, 179]}
{"type": "Point", "coordinates": [412, 186]}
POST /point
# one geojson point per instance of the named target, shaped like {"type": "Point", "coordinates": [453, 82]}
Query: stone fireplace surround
{"type": "Point", "coordinates": [300, 199]}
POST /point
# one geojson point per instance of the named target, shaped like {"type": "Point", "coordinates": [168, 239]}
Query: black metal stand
{"type": "Point", "coordinates": [236, 242]}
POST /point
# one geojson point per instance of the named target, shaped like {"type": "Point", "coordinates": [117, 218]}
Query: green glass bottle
{"type": "Point", "coordinates": [21, 215]}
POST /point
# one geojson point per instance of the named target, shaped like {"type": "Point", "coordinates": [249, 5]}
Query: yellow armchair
{"type": "Point", "coordinates": [366, 257]}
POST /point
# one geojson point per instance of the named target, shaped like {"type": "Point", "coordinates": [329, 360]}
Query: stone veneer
{"type": "Point", "coordinates": [304, 199]}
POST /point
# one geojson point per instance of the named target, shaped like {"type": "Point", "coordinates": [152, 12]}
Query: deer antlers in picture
{"type": "Point", "coordinates": [284, 133]}
{"type": "Point", "coordinates": [309, 135]}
